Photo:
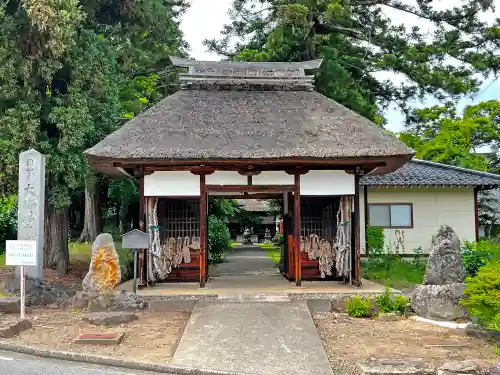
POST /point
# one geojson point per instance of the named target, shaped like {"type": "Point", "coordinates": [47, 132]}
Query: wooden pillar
{"type": "Point", "coordinates": [365, 205]}
{"type": "Point", "coordinates": [298, 262]}
{"type": "Point", "coordinates": [476, 213]}
{"type": "Point", "coordinates": [356, 228]}
{"type": "Point", "coordinates": [143, 280]}
{"type": "Point", "coordinates": [203, 230]}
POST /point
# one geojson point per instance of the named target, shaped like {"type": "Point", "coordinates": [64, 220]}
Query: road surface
{"type": "Point", "coordinates": [20, 364]}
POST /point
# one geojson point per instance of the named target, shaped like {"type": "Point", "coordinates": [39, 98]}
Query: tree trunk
{"type": "Point", "coordinates": [92, 219]}
{"type": "Point", "coordinates": [123, 213]}
{"type": "Point", "coordinates": [57, 239]}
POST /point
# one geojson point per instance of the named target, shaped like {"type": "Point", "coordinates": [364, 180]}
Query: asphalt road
{"type": "Point", "coordinates": [20, 364]}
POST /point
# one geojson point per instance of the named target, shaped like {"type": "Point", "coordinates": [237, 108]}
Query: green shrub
{"type": "Point", "coordinates": [387, 304]}
{"type": "Point", "coordinates": [8, 220]}
{"type": "Point", "coordinates": [375, 239]}
{"type": "Point", "coordinates": [219, 239]}
{"type": "Point", "coordinates": [483, 296]}
{"type": "Point", "coordinates": [478, 254]}
{"type": "Point", "coordinates": [358, 306]}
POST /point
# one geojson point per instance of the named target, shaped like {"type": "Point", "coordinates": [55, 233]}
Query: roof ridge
{"type": "Point", "coordinates": [452, 167]}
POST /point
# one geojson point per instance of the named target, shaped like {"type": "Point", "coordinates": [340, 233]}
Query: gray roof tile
{"type": "Point", "coordinates": [426, 173]}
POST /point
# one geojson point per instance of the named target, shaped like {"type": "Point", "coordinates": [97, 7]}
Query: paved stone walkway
{"type": "Point", "coordinates": [259, 338]}
{"type": "Point", "coordinates": [245, 260]}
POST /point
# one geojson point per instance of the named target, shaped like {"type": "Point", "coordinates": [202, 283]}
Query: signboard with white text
{"type": "Point", "coordinates": [20, 253]}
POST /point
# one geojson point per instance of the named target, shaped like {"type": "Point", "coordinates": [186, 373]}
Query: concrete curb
{"type": "Point", "coordinates": [112, 362]}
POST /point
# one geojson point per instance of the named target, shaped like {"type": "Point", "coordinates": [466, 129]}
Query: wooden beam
{"type": "Point", "coordinates": [476, 213]}
{"type": "Point", "coordinates": [249, 189]}
{"type": "Point", "coordinates": [357, 217]}
{"type": "Point", "coordinates": [143, 280]}
{"type": "Point", "coordinates": [300, 170]}
{"type": "Point", "coordinates": [203, 230]}
{"type": "Point", "coordinates": [298, 263]}
{"type": "Point", "coordinates": [237, 164]}
{"type": "Point", "coordinates": [365, 205]}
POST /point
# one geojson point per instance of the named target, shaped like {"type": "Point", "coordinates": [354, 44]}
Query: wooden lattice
{"type": "Point", "coordinates": [317, 216]}
{"type": "Point", "coordinates": [179, 218]}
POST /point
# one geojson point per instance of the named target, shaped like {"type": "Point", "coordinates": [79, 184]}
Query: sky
{"type": "Point", "coordinates": [205, 19]}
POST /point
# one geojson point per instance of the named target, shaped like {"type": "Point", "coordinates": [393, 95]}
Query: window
{"type": "Point", "coordinates": [394, 215]}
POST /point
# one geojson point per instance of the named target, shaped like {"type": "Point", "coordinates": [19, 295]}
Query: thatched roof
{"type": "Point", "coordinates": [241, 114]}
{"type": "Point", "coordinates": [254, 205]}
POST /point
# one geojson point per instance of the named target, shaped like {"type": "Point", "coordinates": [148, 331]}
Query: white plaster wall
{"type": "Point", "coordinates": [327, 183]}
{"type": "Point", "coordinates": [184, 183]}
{"type": "Point", "coordinates": [273, 178]}
{"type": "Point", "coordinates": [432, 207]}
{"type": "Point", "coordinates": [172, 183]}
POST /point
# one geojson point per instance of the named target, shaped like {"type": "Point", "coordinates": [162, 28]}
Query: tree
{"type": "Point", "coordinates": [440, 134]}
{"type": "Point", "coordinates": [357, 40]}
{"type": "Point", "coordinates": [66, 72]}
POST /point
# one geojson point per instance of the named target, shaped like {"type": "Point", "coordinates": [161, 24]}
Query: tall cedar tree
{"type": "Point", "coordinates": [72, 73]}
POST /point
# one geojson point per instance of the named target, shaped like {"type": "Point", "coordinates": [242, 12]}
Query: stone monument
{"type": "Point", "coordinates": [104, 271]}
{"type": "Point", "coordinates": [444, 286]}
{"type": "Point", "coordinates": [31, 202]}
{"type": "Point", "coordinates": [267, 236]}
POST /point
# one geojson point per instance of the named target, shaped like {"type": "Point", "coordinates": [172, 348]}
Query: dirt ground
{"type": "Point", "coordinates": [151, 338]}
{"type": "Point", "coordinates": [350, 340]}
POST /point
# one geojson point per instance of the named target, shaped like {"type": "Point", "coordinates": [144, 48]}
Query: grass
{"type": "Point", "coordinates": [2, 260]}
{"type": "Point", "coordinates": [273, 251]}
{"type": "Point", "coordinates": [234, 244]}
{"type": "Point", "coordinates": [83, 252]}
{"type": "Point", "coordinates": [400, 273]}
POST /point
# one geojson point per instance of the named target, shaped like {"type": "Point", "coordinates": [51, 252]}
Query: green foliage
{"type": "Point", "coordinates": [358, 306]}
{"type": "Point", "coordinates": [387, 265]}
{"type": "Point", "coordinates": [375, 239]}
{"type": "Point", "coordinates": [476, 255]}
{"type": "Point", "coordinates": [8, 220]}
{"type": "Point", "coordinates": [357, 40]}
{"type": "Point", "coordinates": [439, 134]}
{"type": "Point", "coordinates": [224, 208]}
{"type": "Point", "coordinates": [219, 240]}
{"type": "Point", "coordinates": [387, 304]}
{"type": "Point", "coordinates": [483, 295]}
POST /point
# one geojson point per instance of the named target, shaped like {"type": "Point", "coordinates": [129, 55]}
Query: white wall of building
{"type": "Point", "coordinates": [432, 207]}
{"type": "Point", "coordinates": [184, 183]}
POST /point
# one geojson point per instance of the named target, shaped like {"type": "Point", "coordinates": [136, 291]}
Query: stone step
{"type": "Point", "coordinates": [254, 297]}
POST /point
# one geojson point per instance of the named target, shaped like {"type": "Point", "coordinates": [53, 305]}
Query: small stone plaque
{"type": "Point", "coordinates": [99, 338]}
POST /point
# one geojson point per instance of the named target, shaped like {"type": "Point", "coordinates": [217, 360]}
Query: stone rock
{"type": "Point", "coordinates": [459, 367]}
{"type": "Point", "coordinates": [120, 301]}
{"type": "Point", "coordinates": [439, 301]}
{"type": "Point", "coordinates": [319, 305]}
{"type": "Point", "coordinates": [104, 271]}
{"type": "Point", "coordinates": [10, 305]}
{"type": "Point", "coordinates": [495, 369]}
{"type": "Point", "coordinates": [444, 265]}
{"type": "Point", "coordinates": [12, 329]}
{"type": "Point", "coordinates": [109, 318]}
{"type": "Point", "coordinates": [483, 334]}
{"type": "Point", "coordinates": [395, 367]}
{"type": "Point", "coordinates": [38, 293]}
{"type": "Point", "coordinates": [390, 317]}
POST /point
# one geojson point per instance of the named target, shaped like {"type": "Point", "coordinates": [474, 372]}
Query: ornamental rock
{"type": "Point", "coordinates": [445, 264]}
{"type": "Point", "coordinates": [104, 272]}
